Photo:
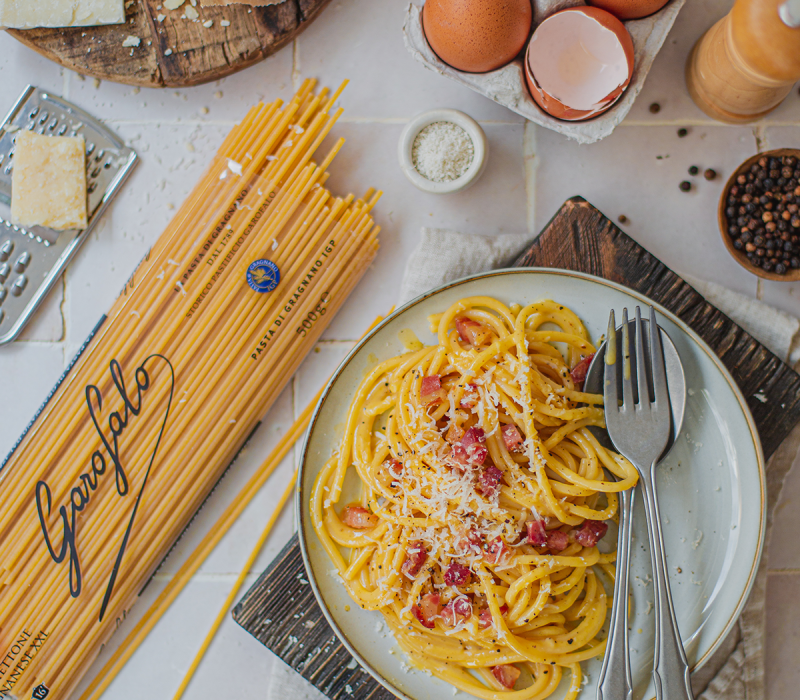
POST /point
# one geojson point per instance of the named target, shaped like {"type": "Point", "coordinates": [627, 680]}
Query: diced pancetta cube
{"type": "Point", "coordinates": [506, 674]}
{"type": "Point", "coordinates": [512, 437]}
{"type": "Point", "coordinates": [359, 518]}
{"type": "Point", "coordinates": [470, 542]}
{"type": "Point", "coordinates": [427, 610]}
{"type": "Point", "coordinates": [471, 396]}
{"type": "Point", "coordinates": [471, 449]}
{"type": "Point", "coordinates": [471, 331]}
{"type": "Point", "coordinates": [431, 390]}
{"type": "Point", "coordinates": [557, 541]}
{"type": "Point", "coordinates": [394, 467]}
{"type": "Point", "coordinates": [489, 479]}
{"type": "Point", "coordinates": [457, 611]}
{"type": "Point", "coordinates": [579, 371]}
{"type": "Point", "coordinates": [537, 535]}
{"type": "Point", "coordinates": [416, 555]}
{"type": "Point", "coordinates": [496, 551]}
{"type": "Point", "coordinates": [591, 532]}
{"type": "Point", "coordinates": [456, 574]}
{"type": "Point", "coordinates": [485, 618]}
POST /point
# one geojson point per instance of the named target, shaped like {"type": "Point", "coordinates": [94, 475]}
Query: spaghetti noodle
{"type": "Point", "coordinates": [482, 498]}
{"type": "Point", "coordinates": [206, 334]}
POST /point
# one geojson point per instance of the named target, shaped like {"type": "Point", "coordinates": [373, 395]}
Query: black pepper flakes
{"type": "Point", "coordinates": [682, 133]}
{"type": "Point", "coordinates": [685, 186]}
{"type": "Point", "coordinates": [693, 170]}
{"type": "Point", "coordinates": [655, 108]}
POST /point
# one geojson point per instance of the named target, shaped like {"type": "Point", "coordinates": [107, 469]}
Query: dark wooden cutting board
{"type": "Point", "coordinates": [174, 52]}
{"type": "Point", "coordinates": [280, 609]}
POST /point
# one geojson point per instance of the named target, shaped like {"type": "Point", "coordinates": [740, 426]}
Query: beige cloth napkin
{"type": "Point", "coordinates": [736, 671]}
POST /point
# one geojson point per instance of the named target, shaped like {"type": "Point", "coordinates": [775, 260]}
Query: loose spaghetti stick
{"type": "Point", "coordinates": [236, 587]}
{"type": "Point", "coordinates": [195, 560]}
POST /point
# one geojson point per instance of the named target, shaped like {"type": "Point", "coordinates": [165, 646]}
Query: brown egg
{"type": "Point", "coordinates": [629, 9]}
{"type": "Point", "coordinates": [578, 63]}
{"type": "Point", "coordinates": [477, 36]}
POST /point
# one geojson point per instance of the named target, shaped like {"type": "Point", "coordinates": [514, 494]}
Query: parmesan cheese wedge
{"type": "Point", "coordinates": [48, 182]}
{"type": "Point", "coordinates": [25, 14]}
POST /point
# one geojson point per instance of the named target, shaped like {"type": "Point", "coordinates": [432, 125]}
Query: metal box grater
{"type": "Point", "coordinates": [32, 259]}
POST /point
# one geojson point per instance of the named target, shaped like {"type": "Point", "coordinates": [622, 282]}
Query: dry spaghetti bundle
{"type": "Point", "coordinates": [204, 337]}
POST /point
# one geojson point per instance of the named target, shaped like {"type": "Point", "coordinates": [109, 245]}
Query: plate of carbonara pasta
{"type": "Point", "coordinates": [458, 513]}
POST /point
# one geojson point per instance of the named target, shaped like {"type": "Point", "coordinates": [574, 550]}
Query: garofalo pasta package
{"type": "Point", "coordinates": [205, 335]}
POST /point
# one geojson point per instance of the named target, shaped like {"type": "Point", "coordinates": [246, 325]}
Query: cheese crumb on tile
{"type": "Point", "coordinates": [48, 182]}
{"type": "Point", "coordinates": [131, 40]}
{"type": "Point", "coordinates": [24, 14]}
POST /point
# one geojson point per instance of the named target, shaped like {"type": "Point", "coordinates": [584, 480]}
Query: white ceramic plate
{"type": "Point", "coordinates": [711, 486]}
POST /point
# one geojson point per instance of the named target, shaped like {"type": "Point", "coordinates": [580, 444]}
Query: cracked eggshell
{"type": "Point", "coordinates": [578, 63]}
{"type": "Point", "coordinates": [477, 36]}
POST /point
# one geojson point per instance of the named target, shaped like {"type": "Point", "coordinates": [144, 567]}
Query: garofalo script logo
{"type": "Point", "coordinates": [107, 456]}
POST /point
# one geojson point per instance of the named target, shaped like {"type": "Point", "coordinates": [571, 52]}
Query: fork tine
{"type": "Point", "coordinates": [610, 397]}
{"type": "Point", "coordinates": [641, 364]}
{"type": "Point", "coordinates": [660, 390]}
{"type": "Point", "coordinates": [627, 381]}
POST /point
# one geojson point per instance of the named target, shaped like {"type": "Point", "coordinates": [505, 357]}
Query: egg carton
{"type": "Point", "coordinates": [507, 86]}
{"type": "Point", "coordinates": [33, 258]}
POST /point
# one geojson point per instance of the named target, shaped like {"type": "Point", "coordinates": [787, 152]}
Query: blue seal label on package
{"type": "Point", "coordinates": [263, 275]}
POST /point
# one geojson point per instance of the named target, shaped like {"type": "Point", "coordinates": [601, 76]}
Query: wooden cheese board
{"type": "Point", "coordinates": [174, 50]}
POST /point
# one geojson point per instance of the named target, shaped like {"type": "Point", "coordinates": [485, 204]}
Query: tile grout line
{"type": "Point", "coordinates": [530, 164]}
{"type": "Point", "coordinates": [783, 572]}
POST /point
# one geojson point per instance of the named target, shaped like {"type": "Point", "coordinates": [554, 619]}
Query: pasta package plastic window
{"type": "Point", "coordinates": [204, 337]}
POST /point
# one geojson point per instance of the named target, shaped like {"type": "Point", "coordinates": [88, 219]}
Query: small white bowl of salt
{"type": "Point", "coordinates": [443, 151]}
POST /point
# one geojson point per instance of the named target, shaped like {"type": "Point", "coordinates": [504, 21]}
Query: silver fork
{"type": "Point", "coordinates": [640, 431]}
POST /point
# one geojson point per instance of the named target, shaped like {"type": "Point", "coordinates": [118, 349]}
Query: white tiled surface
{"type": "Point", "coordinates": [361, 40]}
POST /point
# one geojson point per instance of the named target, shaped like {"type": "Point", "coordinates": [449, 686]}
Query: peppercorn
{"type": "Point", "coordinates": [762, 213]}
{"type": "Point", "coordinates": [623, 219]}
{"type": "Point", "coordinates": [655, 108]}
{"type": "Point", "coordinates": [710, 174]}
{"type": "Point", "coordinates": [685, 186]}
{"type": "Point", "coordinates": [693, 170]}
{"type": "Point", "coordinates": [682, 133]}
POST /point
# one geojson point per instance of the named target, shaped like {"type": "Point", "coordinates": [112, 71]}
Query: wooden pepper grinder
{"type": "Point", "coordinates": [745, 65]}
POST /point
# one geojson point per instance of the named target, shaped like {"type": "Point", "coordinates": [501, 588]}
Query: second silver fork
{"type": "Point", "coordinates": [640, 431]}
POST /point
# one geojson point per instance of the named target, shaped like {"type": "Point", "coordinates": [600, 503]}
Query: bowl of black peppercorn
{"type": "Point", "coordinates": [759, 214]}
